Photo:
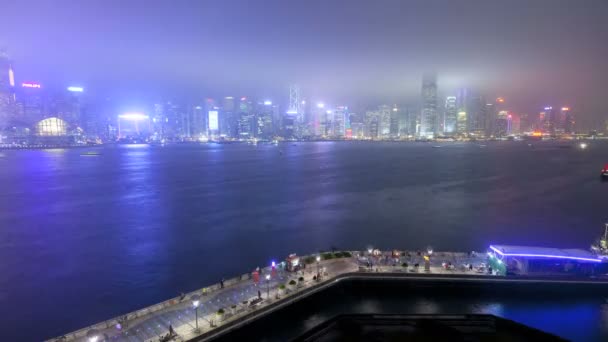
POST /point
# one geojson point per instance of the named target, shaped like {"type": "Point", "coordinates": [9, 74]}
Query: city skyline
{"type": "Point", "coordinates": [30, 112]}
{"type": "Point", "coordinates": [547, 53]}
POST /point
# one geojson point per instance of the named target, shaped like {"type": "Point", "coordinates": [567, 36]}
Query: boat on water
{"type": "Point", "coordinates": [90, 154]}
{"type": "Point", "coordinates": [604, 173]}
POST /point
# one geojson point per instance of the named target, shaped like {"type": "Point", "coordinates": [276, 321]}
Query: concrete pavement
{"type": "Point", "coordinates": [236, 299]}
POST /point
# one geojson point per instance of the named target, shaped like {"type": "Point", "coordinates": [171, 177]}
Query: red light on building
{"type": "Point", "coordinates": [349, 133]}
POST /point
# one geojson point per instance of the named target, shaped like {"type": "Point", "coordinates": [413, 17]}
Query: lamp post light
{"type": "Point", "coordinates": [93, 335]}
{"type": "Point", "coordinates": [318, 259]}
{"type": "Point", "coordinates": [196, 302]}
{"type": "Point", "coordinates": [268, 286]}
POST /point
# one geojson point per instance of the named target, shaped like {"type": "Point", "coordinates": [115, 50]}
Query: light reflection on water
{"type": "Point", "coordinates": [138, 224]}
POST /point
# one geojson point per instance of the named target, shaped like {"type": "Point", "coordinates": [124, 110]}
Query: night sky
{"type": "Point", "coordinates": [534, 53]}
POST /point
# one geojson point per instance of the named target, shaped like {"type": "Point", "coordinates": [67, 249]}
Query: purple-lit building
{"type": "Point", "coordinates": [526, 260]}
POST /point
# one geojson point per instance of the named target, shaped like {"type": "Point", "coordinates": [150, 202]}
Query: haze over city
{"type": "Point", "coordinates": [347, 52]}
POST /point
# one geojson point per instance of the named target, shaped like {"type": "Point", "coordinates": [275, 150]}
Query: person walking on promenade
{"type": "Point", "coordinates": [259, 294]}
{"type": "Point", "coordinates": [222, 283]}
{"type": "Point", "coordinates": [171, 332]}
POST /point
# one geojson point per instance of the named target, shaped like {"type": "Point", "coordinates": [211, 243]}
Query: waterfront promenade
{"type": "Point", "coordinates": [238, 299]}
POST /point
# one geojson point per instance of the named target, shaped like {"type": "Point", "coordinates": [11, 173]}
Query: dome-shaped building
{"type": "Point", "coordinates": [53, 127]}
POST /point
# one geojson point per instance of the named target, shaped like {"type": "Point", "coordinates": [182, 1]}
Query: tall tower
{"type": "Point", "coordinates": [451, 113]}
{"type": "Point", "coordinates": [429, 125]}
{"type": "Point", "coordinates": [7, 76]}
{"type": "Point", "coordinates": [463, 108]}
{"type": "Point", "coordinates": [7, 89]}
{"type": "Point", "coordinates": [293, 121]}
{"type": "Point", "coordinates": [294, 100]}
{"type": "Point", "coordinates": [569, 122]}
{"type": "Point", "coordinates": [228, 120]}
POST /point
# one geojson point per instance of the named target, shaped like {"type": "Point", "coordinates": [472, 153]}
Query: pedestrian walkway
{"type": "Point", "coordinates": [246, 296]}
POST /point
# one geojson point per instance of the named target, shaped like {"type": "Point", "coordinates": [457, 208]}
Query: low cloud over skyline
{"type": "Point", "coordinates": [531, 52]}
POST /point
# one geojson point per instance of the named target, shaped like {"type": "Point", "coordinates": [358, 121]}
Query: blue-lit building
{"type": "Point", "coordinates": [526, 260]}
{"type": "Point", "coordinates": [429, 123]}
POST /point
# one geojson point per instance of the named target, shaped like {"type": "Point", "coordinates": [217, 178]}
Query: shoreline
{"type": "Point", "coordinates": [447, 141]}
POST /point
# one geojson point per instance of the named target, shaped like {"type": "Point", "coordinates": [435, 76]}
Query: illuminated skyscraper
{"type": "Point", "coordinates": [478, 115]}
{"type": "Point", "coordinates": [7, 90]}
{"type": "Point", "coordinates": [33, 102]}
{"type": "Point", "coordinates": [503, 122]}
{"type": "Point", "coordinates": [71, 107]}
{"type": "Point", "coordinates": [429, 124]}
{"type": "Point", "coordinates": [495, 120]}
{"type": "Point", "coordinates": [490, 112]}
{"type": "Point", "coordinates": [451, 112]}
{"type": "Point", "coordinates": [211, 118]}
{"type": "Point", "coordinates": [264, 116]}
{"type": "Point", "coordinates": [515, 123]}
{"type": "Point", "coordinates": [295, 102]}
{"type": "Point", "coordinates": [158, 121]}
{"type": "Point", "coordinates": [246, 119]}
{"type": "Point", "coordinates": [550, 120]}
{"type": "Point", "coordinates": [371, 124]}
{"type": "Point", "coordinates": [569, 122]}
{"type": "Point", "coordinates": [7, 75]}
{"type": "Point", "coordinates": [175, 122]}
{"type": "Point", "coordinates": [395, 117]}
{"type": "Point", "coordinates": [228, 118]}
{"type": "Point", "coordinates": [340, 122]}
{"type": "Point", "coordinates": [317, 120]}
{"type": "Point", "coordinates": [378, 122]}
{"type": "Point", "coordinates": [463, 116]}
{"type": "Point", "coordinates": [384, 123]}
{"type": "Point", "coordinates": [409, 124]}
{"type": "Point", "coordinates": [293, 120]}
{"type": "Point", "coordinates": [197, 123]}
{"type": "Point", "coordinates": [474, 119]}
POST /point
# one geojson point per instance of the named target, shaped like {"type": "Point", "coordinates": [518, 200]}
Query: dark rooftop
{"type": "Point", "coordinates": [371, 327]}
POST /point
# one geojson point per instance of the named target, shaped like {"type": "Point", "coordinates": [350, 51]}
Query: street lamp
{"type": "Point", "coordinates": [93, 335]}
{"type": "Point", "coordinates": [318, 259]}
{"type": "Point", "coordinates": [268, 286]}
{"type": "Point", "coordinates": [195, 302]}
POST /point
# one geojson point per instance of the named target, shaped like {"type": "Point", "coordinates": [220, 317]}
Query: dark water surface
{"type": "Point", "coordinates": [83, 239]}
